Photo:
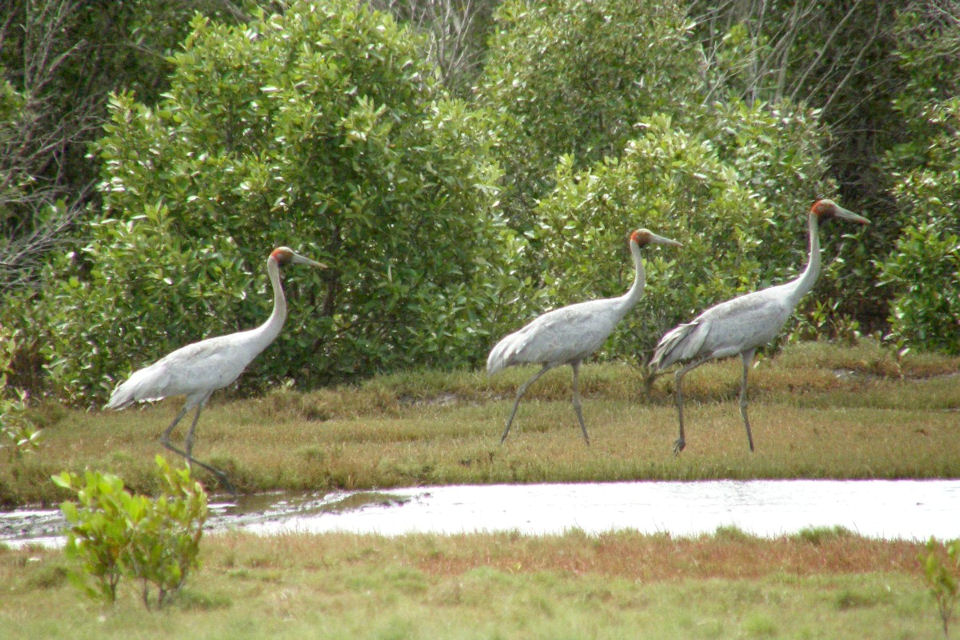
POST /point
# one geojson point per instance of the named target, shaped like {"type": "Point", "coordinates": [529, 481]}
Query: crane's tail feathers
{"type": "Point", "coordinates": [495, 361]}
{"type": "Point", "coordinates": [144, 385]}
{"type": "Point", "coordinates": [121, 398]}
{"type": "Point", "coordinates": [117, 403]}
{"type": "Point", "coordinates": [501, 355]}
{"type": "Point", "coordinates": [680, 343]}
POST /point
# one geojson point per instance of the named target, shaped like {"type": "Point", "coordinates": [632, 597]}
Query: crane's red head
{"type": "Point", "coordinates": [282, 255]}
{"type": "Point", "coordinates": [643, 237]}
{"type": "Point", "coordinates": [825, 209]}
{"type": "Point", "coordinates": [285, 255]}
{"type": "Point", "coordinates": [640, 237]}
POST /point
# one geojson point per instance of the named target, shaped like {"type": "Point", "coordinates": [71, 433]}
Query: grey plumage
{"type": "Point", "coordinates": [570, 334]}
{"type": "Point", "coordinates": [741, 325]}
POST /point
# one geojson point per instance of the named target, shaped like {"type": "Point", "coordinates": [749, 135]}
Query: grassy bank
{"type": "Point", "coordinates": [817, 410]}
{"type": "Point", "coordinates": [820, 584]}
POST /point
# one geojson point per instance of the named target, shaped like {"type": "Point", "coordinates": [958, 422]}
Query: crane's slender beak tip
{"type": "Point", "coordinates": [846, 214]}
{"type": "Point", "coordinates": [299, 259]}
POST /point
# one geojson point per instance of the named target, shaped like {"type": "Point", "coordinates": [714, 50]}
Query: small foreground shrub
{"type": "Point", "coordinates": [115, 534]}
{"type": "Point", "coordinates": [941, 578]}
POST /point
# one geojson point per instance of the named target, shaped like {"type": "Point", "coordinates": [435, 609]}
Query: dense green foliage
{"type": "Point", "coordinates": [330, 127]}
{"type": "Point", "coordinates": [113, 534]}
{"type": "Point", "coordinates": [60, 59]}
{"type": "Point", "coordinates": [923, 270]}
{"type": "Point", "coordinates": [322, 129]}
{"type": "Point", "coordinates": [575, 78]}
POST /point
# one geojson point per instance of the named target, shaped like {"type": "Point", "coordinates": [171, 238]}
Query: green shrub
{"type": "Point", "coordinates": [573, 77]}
{"type": "Point", "coordinates": [942, 577]}
{"type": "Point", "coordinates": [923, 269]}
{"type": "Point", "coordinates": [323, 129]}
{"type": "Point", "coordinates": [599, 86]}
{"type": "Point", "coordinates": [114, 534]}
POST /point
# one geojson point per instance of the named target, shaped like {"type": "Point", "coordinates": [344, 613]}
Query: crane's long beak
{"type": "Point", "coordinates": [661, 240]}
{"type": "Point", "coordinates": [849, 215]}
{"type": "Point", "coordinates": [296, 258]}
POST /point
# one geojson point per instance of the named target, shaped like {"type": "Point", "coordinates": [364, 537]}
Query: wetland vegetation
{"type": "Point", "coordinates": [821, 410]}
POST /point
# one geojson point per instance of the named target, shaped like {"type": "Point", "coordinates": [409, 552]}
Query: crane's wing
{"type": "Point", "coordinates": [680, 343]}
{"type": "Point", "coordinates": [557, 337]}
{"type": "Point", "coordinates": [198, 368]}
{"type": "Point", "coordinates": [728, 328]}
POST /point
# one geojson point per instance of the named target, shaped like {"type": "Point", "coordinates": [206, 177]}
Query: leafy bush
{"type": "Point", "coordinates": [941, 578]}
{"type": "Point", "coordinates": [58, 63]}
{"type": "Point", "coordinates": [601, 84]}
{"type": "Point", "coordinates": [323, 129]}
{"type": "Point", "coordinates": [923, 269]}
{"type": "Point", "coordinates": [573, 77]}
{"type": "Point", "coordinates": [114, 534]}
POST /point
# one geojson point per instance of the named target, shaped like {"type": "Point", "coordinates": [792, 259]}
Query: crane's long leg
{"type": "Point", "coordinates": [681, 441]}
{"type": "Point", "coordinates": [165, 440]}
{"type": "Point", "coordinates": [522, 390]}
{"type": "Point", "coordinates": [576, 400]}
{"type": "Point", "coordinates": [747, 359]}
{"type": "Point", "coordinates": [193, 426]}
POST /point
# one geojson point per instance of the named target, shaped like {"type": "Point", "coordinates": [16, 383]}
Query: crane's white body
{"type": "Point", "coordinates": [732, 327]}
{"type": "Point", "coordinates": [741, 325]}
{"type": "Point", "coordinates": [564, 335]}
{"type": "Point", "coordinates": [200, 368]}
{"type": "Point", "coordinates": [570, 334]}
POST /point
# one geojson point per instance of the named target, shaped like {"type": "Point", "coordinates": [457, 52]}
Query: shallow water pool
{"type": "Point", "coordinates": [885, 509]}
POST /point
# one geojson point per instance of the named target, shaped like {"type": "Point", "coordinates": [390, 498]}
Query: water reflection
{"type": "Point", "coordinates": [906, 509]}
{"type": "Point", "coordinates": [887, 509]}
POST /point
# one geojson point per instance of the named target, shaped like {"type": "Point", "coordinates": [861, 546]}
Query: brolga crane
{"type": "Point", "coordinates": [570, 334]}
{"type": "Point", "coordinates": [741, 325]}
{"type": "Point", "coordinates": [200, 368]}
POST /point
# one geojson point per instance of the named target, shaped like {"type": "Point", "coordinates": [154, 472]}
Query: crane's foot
{"type": "Point", "coordinates": [678, 446]}
{"type": "Point", "coordinates": [225, 482]}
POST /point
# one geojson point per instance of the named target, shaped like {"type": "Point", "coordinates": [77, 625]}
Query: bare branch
{"type": "Point", "coordinates": [451, 28]}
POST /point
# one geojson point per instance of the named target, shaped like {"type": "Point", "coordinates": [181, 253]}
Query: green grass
{"type": "Point", "coordinates": [817, 410]}
{"type": "Point", "coordinates": [499, 586]}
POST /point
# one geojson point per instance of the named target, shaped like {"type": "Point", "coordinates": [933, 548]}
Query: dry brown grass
{"type": "Point", "coordinates": [728, 554]}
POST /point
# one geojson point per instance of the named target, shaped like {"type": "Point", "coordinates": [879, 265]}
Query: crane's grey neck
{"type": "Point", "coordinates": [271, 328]}
{"type": "Point", "coordinates": [812, 271]}
{"type": "Point", "coordinates": [633, 294]}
